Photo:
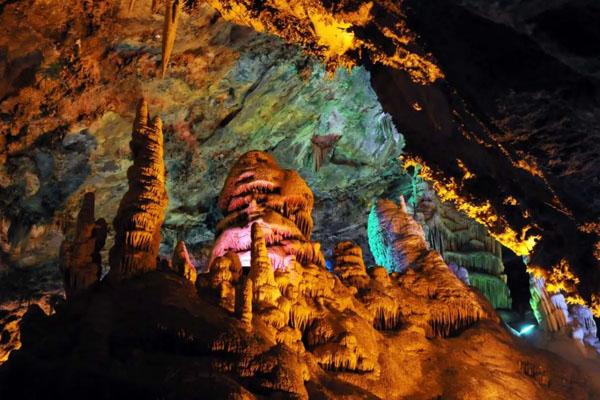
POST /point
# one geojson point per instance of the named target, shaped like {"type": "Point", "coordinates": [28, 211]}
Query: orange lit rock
{"type": "Point", "coordinates": [182, 264]}
{"type": "Point", "coordinates": [349, 264]}
{"type": "Point", "coordinates": [173, 10]}
{"type": "Point", "coordinates": [142, 209]}
{"type": "Point", "coordinates": [81, 262]}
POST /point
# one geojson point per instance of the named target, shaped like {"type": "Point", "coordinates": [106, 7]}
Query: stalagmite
{"type": "Point", "coordinates": [173, 10]}
{"type": "Point", "coordinates": [243, 305]}
{"type": "Point", "coordinates": [349, 264]}
{"type": "Point", "coordinates": [142, 209]}
{"type": "Point", "coordinates": [467, 244]}
{"type": "Point", "coordinates": [549, 310]}
{"type": "Point", "coordinates": [182, 264]}
{"type": "Point", "coordinates": [258, 190]}
{"type": "Point", "coordinates": [261, 272]}
{"type": "Point", "coordinates": [81, 262]}
{"type": "Point", "coordinates": [396, 240]}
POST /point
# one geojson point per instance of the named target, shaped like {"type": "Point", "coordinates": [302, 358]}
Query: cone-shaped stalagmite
{"type": "Point", "coordinates": [80, 258]}
{"type": "Point", "coordinates": [173, 9]}
{"type": "Point", "coordinates": [182, 263]}
{"type": "Point", "coordinates": [142, 209]}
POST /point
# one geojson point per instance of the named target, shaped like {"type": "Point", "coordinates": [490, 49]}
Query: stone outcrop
{"type": "Point", "coordinates": [257, 190]}
{"type": "Point", "coordinates": [81, 262]}
{"type": "Point", "coordinates": [142, 208]}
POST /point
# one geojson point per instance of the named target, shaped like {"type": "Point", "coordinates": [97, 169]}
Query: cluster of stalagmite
{"type": "Point", "coordinates": [333, 317]}
{"type": "Point", "coordinates": [257, 190]}
{"type": "Point", "coordinates": [142, 209]}
{"type": "Point", "coordinates": [465, 244]}
{"type": "Point", "coordinates": [81, 262]}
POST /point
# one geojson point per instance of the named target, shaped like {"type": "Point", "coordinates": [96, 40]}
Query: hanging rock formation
{"type": "Point", "coordinates": [182, 264]}
{"type": "Point", "coordinates": [142, 209]}
{"type": "Point", "coordinates": [81, 262]}
{"type": "Point", "coordinates": [257, 190]}
{"type": "Point", "coordinates": [173, 10]}
{"type": "Point", "coordinates": [466, 244]}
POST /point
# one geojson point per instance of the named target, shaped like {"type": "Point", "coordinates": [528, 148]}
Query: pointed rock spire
{"type": "Point", "coordinates": [182, 264]}
{"type": "Point", "coordinates": [81, 262]}
{"type": "Point", "coordinates": [173, 10]}
{"type": "Point", "coordinates": [142, 209]}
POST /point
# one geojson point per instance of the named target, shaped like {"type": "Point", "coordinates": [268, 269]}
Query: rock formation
{"type": "Point", "coordinates": [466, 244]}
{"type": "Point", "coordinates": [294, 332]}
{"type": "Point", "coordinates": [257, 190]}
{"type": "Point", "coordinates": [550, 310]}
{"type": "Point", "coordinates": [348, 264]}
{"type": "Point", "coordinates": [396, 240]}
{"type": "Point", "coordinates": [142, 209]}
{"type": "Point", "coordinates": [182, 264]}
{"type": "Point", "coordinates": [81, 264]}
{"type": "Point", "coordinates": [173, 10]}
{"type": "Point", "coordinates": [321, 147]}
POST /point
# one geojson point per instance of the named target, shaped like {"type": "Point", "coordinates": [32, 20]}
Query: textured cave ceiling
{"type": "Point", "coordinates": [521, 75]}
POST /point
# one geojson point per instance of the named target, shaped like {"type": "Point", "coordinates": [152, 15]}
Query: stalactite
{"type": "Point", "coordinates": [81, 262]}
{"type": "Point", "coordinates": [173, 10]}
{"type": "Point", "coordinates": [182, 264]}
{"type": "Point", "coordinates": [131, 5]}
{"type": "Point", "coordinates": [142, 208]}
{"type": "Point", "coordinates": [321, 146]}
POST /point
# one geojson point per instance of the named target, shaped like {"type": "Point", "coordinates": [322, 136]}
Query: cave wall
{"type": "Point", "coordinates": [67, 120]}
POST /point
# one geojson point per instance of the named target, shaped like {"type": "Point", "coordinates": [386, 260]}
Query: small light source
{"type": "Point", "coordinates": [526, 329]}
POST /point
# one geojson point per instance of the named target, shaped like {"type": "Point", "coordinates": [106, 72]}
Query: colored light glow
{"type": "Point", "coordinates": [527, 329]}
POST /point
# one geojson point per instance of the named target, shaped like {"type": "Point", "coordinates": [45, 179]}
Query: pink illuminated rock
{"type": "Point", "coordinates": [258, 190]}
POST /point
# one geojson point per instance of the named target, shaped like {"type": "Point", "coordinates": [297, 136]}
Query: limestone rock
{"type": "Point", "coordinates": [182, 264]}
{"type": "Point", "coordinates": [173, 10]}
{"type": "Point", "coordinates": [142, 208]}
{"type": "Point", "coordinates": [396, 240]}
{"type": "Point", "coordinates": [349, 264]}
{"type": "Point", "coordinates": [257, 190]}
{"type": "Point", "coordinates": [81, 262]}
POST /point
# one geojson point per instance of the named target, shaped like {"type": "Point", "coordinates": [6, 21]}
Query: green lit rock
{"type": "Point", "coordinates": [493, 288]}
